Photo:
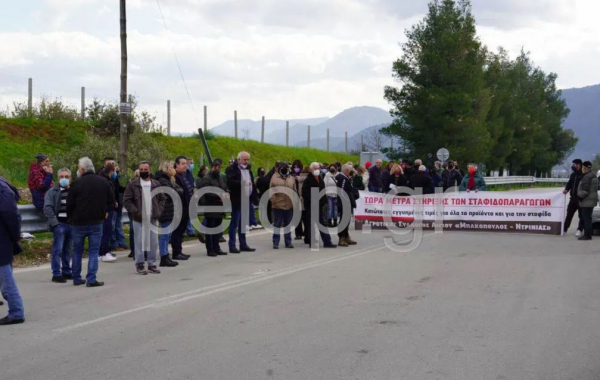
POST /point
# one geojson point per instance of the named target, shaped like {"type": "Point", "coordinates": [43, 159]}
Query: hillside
{"type": "Point", "coordinates": [21, 139]}
{"type": "Point", "coordinates": [584, 119]}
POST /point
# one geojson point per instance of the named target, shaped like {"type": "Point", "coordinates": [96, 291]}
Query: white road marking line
{"type": "Point", "coordinates": [209, 290]}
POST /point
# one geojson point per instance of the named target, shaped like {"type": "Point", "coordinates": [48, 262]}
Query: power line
{"type": "Point", "coordinates": [178, 65]}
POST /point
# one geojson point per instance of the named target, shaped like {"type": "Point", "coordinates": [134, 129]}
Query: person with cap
{"type": "Point", "coordinates": [571, 189]}
{"type": "Point", "coordinates": [213, 219]}
{"type": "Point", "coordinates": [10, 235]}
{"type": "Point", "coordinates": [40, 179]}
{"type": "Point", "coordinates": [587, 193]}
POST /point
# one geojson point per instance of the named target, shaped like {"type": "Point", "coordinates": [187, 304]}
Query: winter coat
{"type": "Point", "coordinates": [90, 198]}
{"type": "Point", "coordinates": [436, 180]}
{"type": "Point", "coordinates": [133, 198]}
{"type": "Point", "coordinates": [330, 184]}
{"type": "Point", "coordinates": [399, 180]}
{"type": "Point", "coordinates": [10, 222]}
{"type": "Point", "coordinates": [52, 206]}
{"type": "Point", "coordinates": [300, 178]}
{"type": "Point", "coordinates": [587, 192]}
{"type": "Point", "coordinates": [386, 178]}
{"type": "Point", "coordinates": [262, 186]}
{"type": "Point", "coordinates": [234, 184]}
{"type": "Point", "coordinates": [421, 180]}
{"type": "Point", "coordinates": [212, 199]}
{"type": "Point", "coordinates": [39, 183]}
{"type": "Point", "coordinates": [279, 200]}
{"type": "Point", "coordinates": [479, 183]}
{"type": "Point", "coordinates": [358, 183]}
{"type": "Point", "coordinates": [451, 178]}
{"type": "Point", "coordinates": [186, 196]}
{"type": "Point", "coordinates": [310, 183]}
{"type": "Point", "coordinates": [169, 210]}
{"type": "Point", "coordinates": [114, 185]}
{"type": "Point", "coordinates": [345, 185]}
{"type": "Point", "coordinates": [573, 183]}
{"type": "Point", "coordinates": [375, 177]}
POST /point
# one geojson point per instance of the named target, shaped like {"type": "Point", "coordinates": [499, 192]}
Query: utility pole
{"type": "Point", "coordinates": [287, 133]}
{"type": "Point", "coordinates": [262, 132]}
{"type": "Point", "coordinates": [205, 119]}
{"type": "Point", "coordinates": [30, 96]}
{"type": "Point", "coordinates": [328, 139]}
{"type": "Point", "coordinates": [123, 116]}
{"type": "Point", "coordinates": [82, 103]}
{"type": "Point", "coordinates": [168, 118]}
{"type": "Point", "coordinates": [308, 138]}
{"type": "Point", "coordinates": [235, 122]}
{"type": "Point", "coordinates": [346, 138]}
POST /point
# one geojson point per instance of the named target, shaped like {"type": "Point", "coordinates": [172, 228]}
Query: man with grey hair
{"type": "Point", "coordinates": [240, 183]}
{"type": "Point", "coordinates": [55, 209]}
{"type": "Point", "coordinates": [89, 199]}
{"type": "Point", "coordinates": [314, 181]}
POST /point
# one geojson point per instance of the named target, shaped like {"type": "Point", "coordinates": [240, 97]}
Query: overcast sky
{"type": "Point", "coordinates": [279, 58]}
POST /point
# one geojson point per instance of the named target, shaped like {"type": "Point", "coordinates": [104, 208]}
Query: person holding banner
{"type": "Point", "coordinates": [473, 181]}
{"type": "Point", "coordinates": [587, 193]}
{"type": "Point", "coordinates": [571, 189]}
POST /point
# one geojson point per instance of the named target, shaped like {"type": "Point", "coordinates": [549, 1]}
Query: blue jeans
{"type": "Point", "coordinates": [253, 221]}
{"type": "Point", "coordinates": [163, 240]}
{"type": "Point", "coordinates": [93, 233]}
{"type": "Point", "coordinates": [332, 208]}
{"type": "Point", "coordinates": [374, 189]}
{"type": "Point", "coordinates": [282, 218]}
{"type": "Point", "coordinates": [235, 226]}
{"type": "Point", "coordinates": [62, 249]}
{"type": "Point", "coordinates": [10, 292]}
{"type": "Point", "coordinates": [131, 235]}
{"type": "Point", "coordinates": [117, 238]}
{"type": "Point", "coordinates": [107, 228]}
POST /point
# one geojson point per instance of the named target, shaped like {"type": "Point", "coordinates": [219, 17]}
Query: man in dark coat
{"type": "Point", "coordinates": [374, 184]}
{"type": "Point", "coordinates": [314, 181]}
{"type": "Point", "coordinates": [421, 179]}
{"type": "Point", "coordinates": [213, 219]}
{"type": "Point", "coordinates": [10, 234]}
{"type": "Point", "coordinates": [240, 183]}
{"type": "Point", "coordinates": [345, 184]}
{"type": "Point", "coordinates": [451, 177]}
{"type": "Point", "coordinates": [177, 236]}
{"type": "Point", "coordinates": [109, 173]}
{"type": "Point", "coordinates": [571, 189]}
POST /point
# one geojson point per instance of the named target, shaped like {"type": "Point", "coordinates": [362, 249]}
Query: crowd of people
{"type": "Point", "coordinates": [90, 204]}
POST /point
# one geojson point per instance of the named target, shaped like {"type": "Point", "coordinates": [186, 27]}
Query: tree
{"type": "Point", "coordinates": [443, 100]}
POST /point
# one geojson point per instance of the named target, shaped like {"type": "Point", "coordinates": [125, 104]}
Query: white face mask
{"type": "Point", "coordinates": [243, 166]}
{"type": "Point", "coordinates": [316, 173]}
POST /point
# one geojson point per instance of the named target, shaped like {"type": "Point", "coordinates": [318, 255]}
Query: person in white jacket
{"type": "Point", "coordinates": [330, 190]}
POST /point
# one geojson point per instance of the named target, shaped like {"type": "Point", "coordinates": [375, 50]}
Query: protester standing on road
{"type": "Point", "coordinates": [421, 180]}
{"type": "Point", "coordinates": [300, 178]}
{"type": "Point", "coordinates": [213, 219]}
{"type": "Point", "coordinates": [332, 199]}
{"type": "Point", "coordinates": [473, 181]}
{"type": "Point", "coordinates": [375, 177]}
{"type": "Point", "coordinates": [345, 184]}
{"type": "Point", "coordinates": [55, 209]}
{"type": "Point", "coordinates": [40, 179]}
{"type": "Point", "coordinates": [109, 173]}
{"type": "Point", "coordinates": [571, 188]}
{"type": "Point", "coordinates": [189, 178]}
{"type": "Point", "coordinates": [283, 205]}
{"type": "Point", "coordinates": [451, 177]}
{"type": "Point", "coordinates": [398, 177]}
{"type": "Point", "coordinates": [166, 177]}
{"type": "Point", "coordinates": [145, 210]}
{"type": "Point", "coordinates": [117, 239]}
{"type": "Point", "coordinates": [177, 236]}
{"type": "Point", "coordinates": [10, 235]}
{"type": "Point", "coordinates": [89, 199]}
{"type": "Point", "coordinates": [311, 221]}
{"type": "Point", "coordinates": [587, 192]}
{"type": "Point", "coordinates": [240, 183]}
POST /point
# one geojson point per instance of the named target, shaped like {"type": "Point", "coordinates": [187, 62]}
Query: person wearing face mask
{"type": "Point", "coordinates": [189, 179]}
{"type": "Point", "coordinates": [332, 201]}
{"type": "Point", "coordinates": [571, 189]}
{"type": "Point", "coordinates": [283, 205]}
{"type": "Point", "coordinates": [55, 209]}
{"type": "Point", "coordinates": [213, 219]}
{"type": "Point", "coordinates": [344, 183]}
{"type": "Point", "coordinates": [40, 179]}
{"type": "Point", "coordinates": [587, 194]}
{"type": "Point", "coordinates": [300, 173]}
{"type": "Point", "coordinates": [181, 168]}
{"type": "Point", "coordinates": [165, 175]}
{"type": "Point", "coordinates": [108, 172]}
{"type": "Point", "coordinates": [311, 221]}
{"type": "Point", "coordinates": [374, 184]}
{"type": "Point", "coordinates": [89, 199]}
{"type": "Point", "coordinates": [473, 181]}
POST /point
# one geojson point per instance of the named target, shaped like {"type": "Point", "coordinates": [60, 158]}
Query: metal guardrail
{"type": "Point", "coordinates": [35, 221]}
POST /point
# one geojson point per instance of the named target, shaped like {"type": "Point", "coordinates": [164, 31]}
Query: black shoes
{"type": "Point", "coordinates": [59, 279]}
{"type": "Point", "coordinates": [1, 302]}
{"type": "Point", "coordinates": [180, 257]}
{"type": "Point", "coordinates": [298, 238]}
{"type": "Point", "coordinates": [222, 240]}
{"type": "Point", "coordinates": [275, 246]}
{"type": "Point", "coordinates": [585, 237]}
{"type": "Point", "coordinates": [165, 261]}
{"type": "Point", "coordinates": [330, 246]}
{"type": "Point", "coordinates": [80, 282]}
{"type": "Point", "coordinates": [212, 254]}
{"type": "Point", "coordinates": [202, 238]}
{"type": "Point", "coordinates": [68, 276]}
{"type": "Point", "coordinates": [234, 250]}
{"type": "Point", "coordinates": [289, 246]}
{"type": "Point", "coordinates": [94, 284]}
{"type": "Point", "coordinates": [131, 255]}
{"type": "Point", "coordinates": [10, 321]}
{"type": "Point", "coordinates": [247, 249]}
{"type": "Point", "coordinates": [221, 253]}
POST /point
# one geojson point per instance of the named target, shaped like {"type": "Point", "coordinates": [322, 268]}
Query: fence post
{"type": "Point", "coordinates": [235, 123]}
{"type": "Point", "coordinates": [30, 96]}
{"type": "Point", "coordinates": [168, 118]}
{"type": "Point", "coordinates": [328, 139]}
{"type": "Point", "coordinates": [205, 119]}
{"type": "Point", "coordinates": [346, 138]}
{"type": "Point", "coordinates": [308, 137]}
{"type": "Point", "coordinates": [262, 132]}
{"type": "Point", "coordinates": [287, 133]}
{"type": "Point", "coordinates": [83, 103]}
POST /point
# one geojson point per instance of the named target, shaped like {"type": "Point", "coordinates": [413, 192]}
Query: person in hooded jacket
{"type": "Point", "coordinates": [213, 219]}
{"type": "Point", "coordinates": [40, 179]}
{"type": "Point", "coordinates": [165, 175]}
{"type": "Point", "coordinates": [473, 181]}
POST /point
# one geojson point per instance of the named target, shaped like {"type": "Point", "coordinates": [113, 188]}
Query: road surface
{"type": "Point", "coordinates": [462, 306]}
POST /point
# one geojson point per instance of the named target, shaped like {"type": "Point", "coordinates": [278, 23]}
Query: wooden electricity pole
{"type": "Point", "coordinates": [123, 116]}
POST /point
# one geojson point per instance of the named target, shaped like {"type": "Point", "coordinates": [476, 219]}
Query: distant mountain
{"type": "Point", "coordinates": [584, 119]}
{"type": "Point", "coordinates": [274, 129]}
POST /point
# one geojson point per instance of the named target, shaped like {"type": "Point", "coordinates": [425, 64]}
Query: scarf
{"type": "Point", "coordinates": [471, 184]}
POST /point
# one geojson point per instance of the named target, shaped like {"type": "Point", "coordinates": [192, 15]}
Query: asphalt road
{"type": "Point", "coordinates": [461, 306]}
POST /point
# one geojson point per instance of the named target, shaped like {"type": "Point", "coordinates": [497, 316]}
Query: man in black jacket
{"type": "Point", "coordinates": [89, 199]}
{"type": "Point", "coordinates": [314, 181]}
{"type": "Point", "coordinates": [177, 236]}
{"type": "Point", "coordinates": [571, 189]}
{"type": "Point", "coordinates": [240, 183]}
{"type": "Point", "coordinates": [374, 184]}
{"type": "Point", "coordinates": [109, 173]}
{"type": "Point", "coordinates": [213, 219]}
{"type": "Point", "coordinates": [345, 184]}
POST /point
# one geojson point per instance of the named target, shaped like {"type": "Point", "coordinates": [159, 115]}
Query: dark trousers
{"type": "Point", "coordinates": [344, 233]}
{"type": "Point", "coordinates": [309, 227]}
{"type": "Point", "coordinates": [282, 219]}
{"type": "Point", "coordinates": [177, 237]}
{"type": "Point", "coordinates": [107, 228]}
{"type": "Point", "coordinates": [299, 232]}
{"type": "Point", "coordinates": [212, 240]}
{"type": "Point", "coordinates": [131, 234]}
{"type": "Point", "coordinates": [573, 207]}
{"type": "Point", "coordinates": [586, 217]}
